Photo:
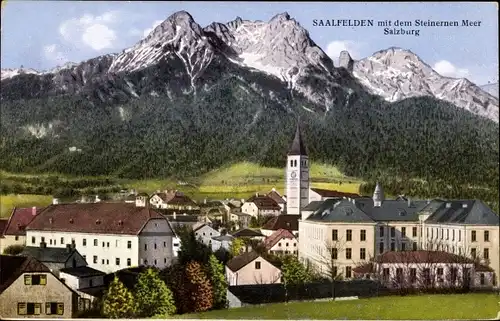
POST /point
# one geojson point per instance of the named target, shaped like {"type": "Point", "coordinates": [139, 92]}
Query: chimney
{"type": "Point", "coordinates": [464, 205]}
{"type": "Point", "coordinates": [242, 201]}
{"type": "Point", "coordinates": [274, 189]}
{"type": "Point", "coordinates": [175, 216]}
{"type": "Point", "coordinates": [33, 211]}
{"type": "Point", "coordinates": [43, 245]}
{"type": "Point", "coordinates": [409, 202]}
{"type": "Point", "coordinates": [55, 201]}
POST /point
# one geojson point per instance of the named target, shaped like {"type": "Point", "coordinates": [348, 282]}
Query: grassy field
{"type": "Point", "coordinates": [8, 202]}
{"type": "Point", "coordinates": [236, 181]}
{"type": "Point", "coordinates": [424, 307]}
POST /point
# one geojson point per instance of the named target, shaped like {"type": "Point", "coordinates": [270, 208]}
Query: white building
{"type": "Point", "coordinates": [110, 236]}
{"type": "Point", "coordinates": [282, 242]}
{"type": "Point", "coordinates": [205, 233]}
{"type": "Point", "coordinates": [251, 268]}
{"type": "Point", "coordinates": [261, 205]}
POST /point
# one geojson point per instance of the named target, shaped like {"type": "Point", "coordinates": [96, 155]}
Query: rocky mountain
{"type": "Point", "coordinates": [491, 89]}
{"type": "Point", "coordinates": [187, 99]}
{"type": "Point", "coordinates": [396, 74]}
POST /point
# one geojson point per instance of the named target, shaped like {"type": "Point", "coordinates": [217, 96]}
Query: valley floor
{"type": "Point", "coordinates": [421, 307]}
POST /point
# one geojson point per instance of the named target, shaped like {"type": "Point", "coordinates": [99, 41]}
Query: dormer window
{"type": "Point", "coordinates": [348, 211]}
{"type": "Point", "coordinates": [402, 212]}
{"type": "Point", "coordinates": [97, 222]}
{"type": "Point", "coordinates": [70, 220]}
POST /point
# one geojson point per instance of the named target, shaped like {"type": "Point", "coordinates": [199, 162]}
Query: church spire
{"type": "Point", "coordinates": [378, 195]}
{"type": "Point", "coordinates": [298, 147]}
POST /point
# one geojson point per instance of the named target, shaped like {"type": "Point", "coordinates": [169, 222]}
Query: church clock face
{"type": "Point", "coordinates": [293, 174]}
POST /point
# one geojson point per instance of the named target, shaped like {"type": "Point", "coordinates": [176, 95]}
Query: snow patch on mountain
{"type": "Point", "coordinates": [12, 72]}
{"type": "Point", "coordinates": [491, 89]}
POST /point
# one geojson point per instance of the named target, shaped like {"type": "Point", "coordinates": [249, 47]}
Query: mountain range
{"type": "Point", "coordinates": [187, 99]}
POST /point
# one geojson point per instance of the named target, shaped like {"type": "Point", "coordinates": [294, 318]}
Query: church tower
{"type": "Point", "coordinates": [297, 175]}
{"type": "Point", "coordinates": [378, 196]}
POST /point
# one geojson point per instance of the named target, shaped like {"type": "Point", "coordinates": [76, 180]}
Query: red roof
{"type": "Point", "coordinates": [277, 236]}
{"type": "Point", "coordinates": [19, 219]}
{"type": "Point", "coordinates": [3, 224]}
{"type": "Point", "coordinates": [285, 221]}
{"type": "Point", "coordinates": [276, 197]}
{"type": "Point", "coordinates": [264, 202]}
{"type": "Point", "coordinates": [330, 193]}
{"type": "Point", "coordinates": [110, 218]}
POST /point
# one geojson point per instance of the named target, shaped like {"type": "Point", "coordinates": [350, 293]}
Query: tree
{"type": "Point", "coordinates": [152, 296]}
{"type": "Point", "coordinates": [13, 249]}
{"type": "Point", "coordinates": [118, 302]}
{"type": "Point", "coordinates": [293, 272]}
{"type": "Point", "coordinates": [198, 288]}
{"type": "Point", "coordinates": [191, 248]}
{"type": "Point", "coordinates": [219, 284]}
{"type": "Point", "coordinates": [237, 247]}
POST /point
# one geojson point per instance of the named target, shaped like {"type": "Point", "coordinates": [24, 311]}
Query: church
{"type": "Point", "coordinates": [338, 232]}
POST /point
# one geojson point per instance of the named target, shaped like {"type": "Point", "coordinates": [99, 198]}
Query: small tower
{"type": "Point", "coordinates": [297, 175]}
{"type": "Point", "coordinates": [378, 195]}
{"type": "Point", "coordinates": [142, 200]}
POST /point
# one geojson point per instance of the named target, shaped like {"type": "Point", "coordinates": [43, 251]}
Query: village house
{"type": "Point", "coordinates": [248, 234]}
{"type": "Point", "coordinates": [14, 232]}
{"type": "Point", "coordinates": [55, 258]}
{"type": "Point", "coordinates": [424, 269]}
{"type": "Point", "coordinates": [240, 220]}
{"type": "Point", "coordinates": [222, 241]}
{"type": "Point", "coordinates": [281, 200]}
{"type": "Point", "coordinates": [109, 236]}
{"type": "Point", "coordinates": [173, 199]}
{"type": "Point", "coordinates": [83, 279]}
{"type": "Point", "coordinates": [251, 268]}
{"type": "Point", "coordinates": [205, 233]}
{"type": "Point", "coordinates": [261, 205]}
{"type": "Point", "coordinates": [281, 242]}
{"type": "Point", "coordinates": [285, 222]}
{"type": "Point", "coordinates": [28, 289]}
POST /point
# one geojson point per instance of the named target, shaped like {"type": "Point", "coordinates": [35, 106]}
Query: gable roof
{"type": "Point", "coordinates": [49, 254]}
{"type": "Point", "coordinates": [264, 202]}
{"type": "Point", "coordinates": [82, 271]}
{"type": "Point", "coordinates": [332, 193]}
{"type": "Point", "coordinates": [472, 212]}
{"type": "Point", "coordinates": [240, 261]}
{"type": "Point", "coordinates": [246, 232]}
{"type": "Point", "coordinates": [221, 238]}
{"type": "Point", "coordinates": [3, 225]}
{"type": "Point", "coordinates": [285, 221]}
{"type": "Point", "coordinates": [19, 220]}
{"type": "Point", "coordinates": [95, 218]}
{"type": "Point", "coordinates": [276, 196]}
{"type": "Point", "coordinates": [12, 267]}
{"type": "Point", "coordinates": [298, 147]}
{"type": "Point", "coordinates": [277, 236]}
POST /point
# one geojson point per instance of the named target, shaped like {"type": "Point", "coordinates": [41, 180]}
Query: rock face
{"type": "Point", "coordinates": [345, 61]}
{"type": "Point", "coordinates": [491, 89]}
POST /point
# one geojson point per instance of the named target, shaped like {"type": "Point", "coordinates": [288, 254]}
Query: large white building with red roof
{"type": "Point", "coordinates": [110, 236]}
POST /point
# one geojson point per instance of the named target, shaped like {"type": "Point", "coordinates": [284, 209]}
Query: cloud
{"type": "Point", "coordinates": [447, 69]}
{"type": "Point", "coordinates": [334, 48]}
{"type": "Point", "coordinates": [91, 31]}
{"type": "Point", "coordinates": [148, 30]}
{"type": "Point", "coordinates": [52, 54]}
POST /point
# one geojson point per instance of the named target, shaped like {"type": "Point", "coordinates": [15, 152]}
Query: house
{"type": "Point", "coordinates": [249, 234]}
{"type": "Point", "coordinates": [420, 269]}
{"type": "Point", "coordinates": [28, 289]}
{"type": "Point", "coordinates": [205, 233]}
{"type": "Point", "coordinates": [217, 214]}
{"type": "Point", "coordinates": [319, 194]}
{"type": "Point", "coordinates": [183, 218]}
{"type": "Point", "coordinates": [222, 241]}
{"type": "Point", "coordinates": [55, 258]}
{"type": "Point", "coordinates": [173, 199]}
{"type": "Point", "coordinates": [285, 222]}
{"type": "Point", "coordinates": [281, 200]}
{"type": "Point", "coordinates": [241, 220]}
{"type": "Point", "coordinates": [251, 268]}
{"type": "Point", "coordinates": [109, 236]}
{"type": "Point", "coordinates": [281, 242]}
{"type": "Point", "coordinates": [14, 232]}
{"type": "Point", "coordinates": [83, 279]}
{"type": "Point", "coordinates": [261, 205]}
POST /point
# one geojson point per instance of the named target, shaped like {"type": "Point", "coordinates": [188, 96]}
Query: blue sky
{"type": "Point", "coordinates": [44, 34]}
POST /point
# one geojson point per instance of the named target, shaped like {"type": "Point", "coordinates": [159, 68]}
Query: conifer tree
{"type": "Point", "coordinates": [219, 284]}
{"type": "Point", "coordinates": [152, 296]}
{"type": "Point", "coordinates": [198, 288]}
{"type": "Point", "coordinates": [118, 301]}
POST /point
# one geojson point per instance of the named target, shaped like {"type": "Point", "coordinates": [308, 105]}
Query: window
{"type": "Point", "coordinates": [413, 275]}
{"type": "Point", "coordinates": [335, 235]}
{"type": "Point", "coordinates": [348, 272]}
{"type": "Point", "coordinates": [381, 231]}
{"type": "Point", "coordinates": [427, 276]}
{"type": "Point", "coordinates": [43, 239]}
{"type": "Point", "coordinates": [482, 279]}
{"type": "Point", "coordinates": [156, 262]}
{"type": "Point", "coordinates": [286, 244]}
{"type": "Point", "coordinates": [257, 265]}
{"type": "Point", "coordinates": [334, 253]}
{"type": "Point", "coordinates": [129, 262]}
{"type": "Point", "coordinates": [393, 246]}
{"type": "Point", "coordinates": [117, 243]}
{"type": "Point", "coordinates": [414, 231]}
{"type": "Point", "coordinates": [155, 246]}
{"type": "Point", "coordinates": [164, 244]}
{"type": "Point", "coordinates": [440, 275]}
{"type": "Point", "coordinates": [447, 234]}
{"type": "Point", "coordinates": [35, 279]}
{"type": "Point", "coordinates": [399, 275]}
{"type": "Point", "coordinates": [386, 274]}
{"type": "Point", "coordinates": [414, 246]}
{"type": "Point", "coordinates": [459, 236]}
{"type": "Point", "coordinates": [103, 244]}
{"type": "Point", "coordinates": [95, 259]}
{"type": "Point", "coordinates": [291, 163]}
{"type": "Point", "coordinates": [145, 262]}
{"type": "Point", "coordinates": [103, 261]}
{"type": "Point", "coordinates": [349, 235]}
{"type": "Point", "coordinates": [29, 308]}
{"type": "Point", "coordinates": [473, 236]}
{"type": "Point", "coordinates": [393, 232]}
{"type": "Point", "coordinates": [107, 261]}
{"type": "Point", "coordinates": [403, 246]}
{"type": "Point", "coordinates": [442, 234]}
{"type": "Point", "coordinates": [129, 244]}
{"type": "Point", "coordinates": [54, 308]}
{"type": "Point", "coordinates": [107, 244]}
{"type": "Point", "coordinates": [21, 308]}
{"type": "Point", "coordinates": [334, 271]}
{"type": "Point", "coordinates": [381, 247]}
{"type": "Point", "coordinates": [95, 242]}
{"type": "Point", "coordinates": [486, 236]}
{"type": "Point", "coordinates": [453, 235]}
{"type": "Point", "coordinates": [33, 240]}
{"type": "Point", "coordinates": [50, 241]}
{"type": "Point", "coordinates": [84, 242]}
{"type": "Point", "coordinates": [117, 261]}
{"type": "Point", "coordinates": [165, 260]}
{"type": "Point", "coordinates": [403, 231]}
{"type": "Point", "coordinates": [473, 253]}
{"type": "Point", "coordinates": [362, 254]}
{"type": "Point", "coordinates": [432, 232]}
{"type": "Point", "coordinates": [348, 253]}
{"type": "Point", "coordinates": [145, 247]}
{"type": "Point", "coordinates": [362, 235]}
{"type": "Point", "coordinates": [486, 254]}
{"type": "Point", "coordinates": [279, 244]}
{"type": "Point", "coordinates": [453, 275]}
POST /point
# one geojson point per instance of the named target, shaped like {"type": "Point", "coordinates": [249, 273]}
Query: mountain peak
{"type": "Point", "coordinates": [280, 17]}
